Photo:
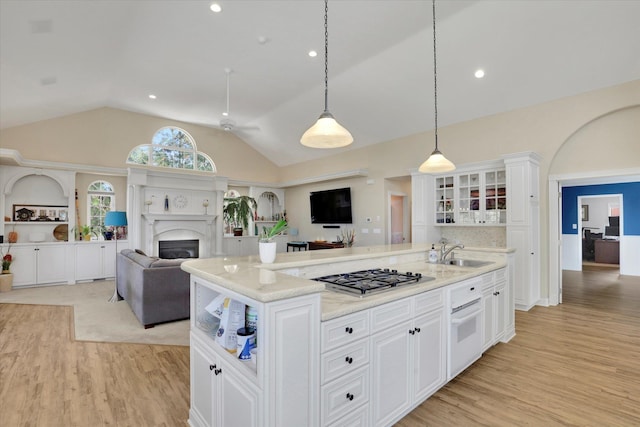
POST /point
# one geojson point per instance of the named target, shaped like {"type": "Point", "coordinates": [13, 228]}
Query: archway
{"type": "Point", "coordinates": [602, 151]}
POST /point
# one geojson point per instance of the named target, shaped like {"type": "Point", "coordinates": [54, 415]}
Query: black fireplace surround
{"type": "Point", "coordinates": [172, 249]}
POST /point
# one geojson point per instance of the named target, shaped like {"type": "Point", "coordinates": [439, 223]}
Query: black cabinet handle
{"type": "Point", "coordinates": [217, 371]}
{"type": "Point", "coordinates": [349, 360]}
{"type": "Point", "coordinates": [349, 396]}
{"type": "Point", "coordinates": [212, 367]}
{"type": "Point", "coordinates": [348, 330]}
{"type": "Point", "coordinates": [417, 330]}
{"type": "Point", "coordinates": [412, 331]}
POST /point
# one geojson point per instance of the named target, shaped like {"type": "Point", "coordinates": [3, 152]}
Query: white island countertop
{"type": "Point", "coordinates": [290, 275]}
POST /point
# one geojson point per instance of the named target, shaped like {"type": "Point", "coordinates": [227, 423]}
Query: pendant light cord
{"type": "Point", "coordinates": [326, 56]}
{"type": "Point", "coordinates": [435, 75]}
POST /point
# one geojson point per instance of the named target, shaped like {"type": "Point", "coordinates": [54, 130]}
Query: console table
{"type": "Point", "coordinates": [325, 245]}
{"type": "Point", "coordinates": [607, 251]}
{"type": "Point", "coordinates": [296, 245]}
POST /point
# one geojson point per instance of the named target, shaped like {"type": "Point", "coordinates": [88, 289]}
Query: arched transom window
{"type": "Point", "coordinates": [171, 147]}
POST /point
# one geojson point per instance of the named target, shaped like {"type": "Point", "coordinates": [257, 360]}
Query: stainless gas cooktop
{"type": "Point", "coordinates": [368, 282]}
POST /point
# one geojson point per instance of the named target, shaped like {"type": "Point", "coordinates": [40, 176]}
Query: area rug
{"type": "Point", "coordinates": [97, 319]}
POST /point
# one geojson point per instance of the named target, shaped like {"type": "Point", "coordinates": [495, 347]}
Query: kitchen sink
{"type": "Point", "coordinates": [467, 262]}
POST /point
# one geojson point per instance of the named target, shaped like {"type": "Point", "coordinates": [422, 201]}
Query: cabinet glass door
{"type": "Point", "coordinates": [444, 199]}
{"type": "Point", "coordinates": [495, 197]}
{"type": "Point", "coordinates": [469, 198]}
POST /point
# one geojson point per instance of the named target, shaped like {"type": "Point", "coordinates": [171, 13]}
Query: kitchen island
{"type": "Point", "coordinates": [328, 358]}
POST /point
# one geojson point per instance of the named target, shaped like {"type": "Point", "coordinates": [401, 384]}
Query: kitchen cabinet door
{"type": "Point", "coordinates": [429, 354]}
{"type": "Point", "coordinates": [391, 371]}
{"type": "Point", "coordinates": [220, 397]}
{"type": "Point", "coordinates": [24, 265]}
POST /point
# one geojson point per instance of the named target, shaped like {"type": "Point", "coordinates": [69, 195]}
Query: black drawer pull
{"type": "Point", "coordinates": [417, 330]}
{"type": "Point", "coordinates": [349, 360]}
{"type": "Point", "coordinates": [217, 371]}
{"type": "Point", "coordinates": [348, 330]}
{"type": "Point", "coordinates": [212, 367]}
{"type": "Point", "coordinates": [349, 396]}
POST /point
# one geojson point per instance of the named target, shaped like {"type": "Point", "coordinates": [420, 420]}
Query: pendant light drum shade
{"type": "Point", "coordinates": [326, 132]}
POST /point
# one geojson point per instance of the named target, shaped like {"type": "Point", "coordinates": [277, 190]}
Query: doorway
{"type": "Point", "coordinates": [599, 225]}
{"type": "Point", "coordinates": [398, 215]}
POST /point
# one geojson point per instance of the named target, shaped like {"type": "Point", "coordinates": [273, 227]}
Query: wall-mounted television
{"type": "Point", "coordinates": [331, 206]}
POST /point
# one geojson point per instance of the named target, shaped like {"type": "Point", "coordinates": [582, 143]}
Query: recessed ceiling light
{"type": "Point", "coordinates": [215, 7]}
{"type": "Point", "coordinates": [479, 73]}
{"type": "Point", "coordinates": [313, 53]}
{"type": "Point", "coordinates": [152, 96]}
{"type": "Point", "coordinates": [226, 113]}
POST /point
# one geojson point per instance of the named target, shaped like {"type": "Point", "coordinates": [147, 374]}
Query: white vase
{"type": "Point", "coordinates": [267, 252]}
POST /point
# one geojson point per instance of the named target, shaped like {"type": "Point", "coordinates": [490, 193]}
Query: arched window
{"type": "Point", "coordinates": [100, 199]}
{"type": "Point", "coordinates": [171, 147]}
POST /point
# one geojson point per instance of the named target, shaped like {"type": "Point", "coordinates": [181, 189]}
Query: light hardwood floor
{"type": "Point", "coordinates": [575, 364]}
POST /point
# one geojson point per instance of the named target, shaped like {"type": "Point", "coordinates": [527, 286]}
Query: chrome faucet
{"type": "Point", "coordinates": [444, 251]}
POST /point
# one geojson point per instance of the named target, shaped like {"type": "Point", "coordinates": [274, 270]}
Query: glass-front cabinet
{"type": "Point", "coordinates": [471, 198]}
{"type": "Point", "coordinates": [445, 199]}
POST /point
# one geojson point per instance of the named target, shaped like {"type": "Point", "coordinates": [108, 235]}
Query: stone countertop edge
{"type": "Point", "coordinates": [262, 282]}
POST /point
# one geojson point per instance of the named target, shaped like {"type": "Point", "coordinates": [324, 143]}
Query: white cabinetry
{"type": "Point", "coordinates": [39, 264]}
{"type": "Point", "coordinates": [226, 391]}
{"type": "Point", "coordinates": [345, 369]}
{"type": "Point", "coordinates": [220, 396]}
{"type": "Point", "coordinates": [408, 354]}
{"type": "Point", "coordinates": [422, 220]}
{"type": "Point", "coordinates": [495, 297]}
{"type": "Point", "coordinates": [523, 225]}
{"type": "Point", "coordinates": [96, 260]}
{"type": "Point", "coordinates": [472, 197]}
{"type": "Point", "coordinates": [240, 246]}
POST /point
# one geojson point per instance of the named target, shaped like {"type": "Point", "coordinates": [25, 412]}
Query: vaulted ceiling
{"type": "Point", "coordinates": [63, 57]}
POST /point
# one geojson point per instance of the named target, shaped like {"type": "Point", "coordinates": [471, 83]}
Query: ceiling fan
{"type": "Point", "coordinates": [227, 124]}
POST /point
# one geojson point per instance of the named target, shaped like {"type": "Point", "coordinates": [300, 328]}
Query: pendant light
{"type": "Point", "coordinates": [326, 132]}
{"type": "Point", "coordinates": [437, 162]}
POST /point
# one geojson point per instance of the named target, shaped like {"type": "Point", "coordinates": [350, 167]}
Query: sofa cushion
{"type": "Point", "coordinates": [160, 262]}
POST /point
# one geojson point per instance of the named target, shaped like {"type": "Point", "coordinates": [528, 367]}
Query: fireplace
{"type": "Point", "coordinates": [171, 249]}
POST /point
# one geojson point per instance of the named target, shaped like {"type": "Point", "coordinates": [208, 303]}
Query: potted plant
{"type": "Point", "coordinates": [266, 245]}
{"type": "Point", "coordinates": [237, 211]}
{"type": "Point", "coordinates": [6, 278]}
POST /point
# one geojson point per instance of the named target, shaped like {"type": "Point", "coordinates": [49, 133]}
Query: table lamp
{"type": "Point", "coordinates": [115, 219]}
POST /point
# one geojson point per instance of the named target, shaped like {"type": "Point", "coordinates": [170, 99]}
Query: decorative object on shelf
{"type": "Point", "coordinates": [166, 203]}
{"type": "Point", "coordinates": [61, 232]}
{"type": "Point", "coordinates": [115, 219]}
{"type": "Point", "coordinates": [326, 132]}
{"type": "Point", "coordinates": [180, 201]}
{"type": "Point", "coordinates": [237, 211]}
{"type": "Point", "coordinates": [12, 237]}
{"type": "Point", "coordinates": [23, 213]}
{"type": "Point", "coordinates": [84, 232]}
{"type": "Point", "coordinates": [148, 203]}
{"type": "Point", "coordinates": [267, 247]}
{"type": "Point", "coordinates": [347, 237]}
{"type": "Point", "coordinates": [205, 203]}
{"type": "Point", "coordinates": [436, 162]}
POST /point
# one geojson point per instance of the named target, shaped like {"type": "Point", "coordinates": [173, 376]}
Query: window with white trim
{"type": "Point", "coordinates": [171, 147]}
{"type": "Point", "coordinates": [101, 198]}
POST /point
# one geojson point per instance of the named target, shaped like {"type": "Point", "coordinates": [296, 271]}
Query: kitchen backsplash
{"type": "Point", "coordinates": [494, 237]}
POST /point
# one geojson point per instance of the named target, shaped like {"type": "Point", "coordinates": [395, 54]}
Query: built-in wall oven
{"type": "Point", "coordinates": [465, 325]}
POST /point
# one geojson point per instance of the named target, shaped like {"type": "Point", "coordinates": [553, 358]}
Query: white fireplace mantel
{"type": "Point", "coordinates": [151, 218]}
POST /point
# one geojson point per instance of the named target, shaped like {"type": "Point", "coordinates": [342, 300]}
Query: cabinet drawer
{"type": "Point", "coordinates": [429, 301]}
{"type": "Point", "coordinates": [487, 279]}
{"type": "Point", "coordinates": [501, 274]}
{"type": "Point", "coordinates": [344, 360]}
{"type": "Point", "coordinates": [387, 315]}
{"type": "Point", "coordinates": [357, 418]}
{"type": "Point", "coordinates": [344, 395]}
{"type": "Point", "coordinates": [466, 291]}
{"type": "Point", "coordinates": [344, 330]}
